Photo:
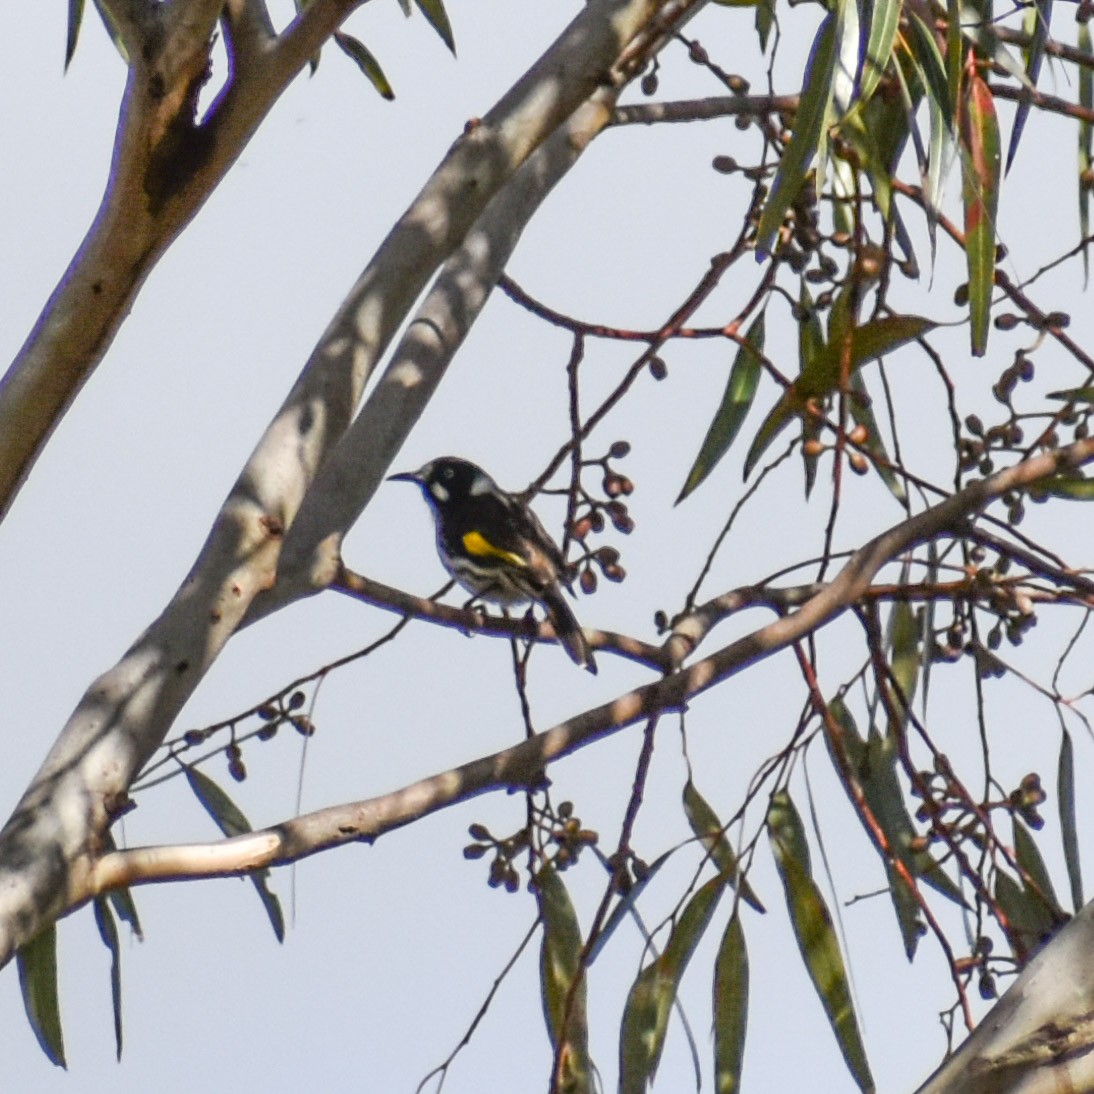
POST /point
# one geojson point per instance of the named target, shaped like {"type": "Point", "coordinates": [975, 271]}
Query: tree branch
{"type": "Point", "coordinates": [49, 844]}
{"type": "Point", "coordinates": [522, 766]}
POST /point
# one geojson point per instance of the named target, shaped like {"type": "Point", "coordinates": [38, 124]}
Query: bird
{"type": "Point", "coordinates": [495, 547]}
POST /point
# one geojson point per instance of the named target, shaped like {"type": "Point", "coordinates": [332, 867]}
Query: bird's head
{"type": "Point", "coordinates": [448, 479]}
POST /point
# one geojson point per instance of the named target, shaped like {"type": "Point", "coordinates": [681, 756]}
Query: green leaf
{"type": "Point", "coordinates": [1086, 142]}
{"type": "Point", "coordinates": [1028, 922]}
{"type": "Point", "coordinates": [730, 1008]}
{"type": "Point", "coordinates": [1041, 13]}
{"type": "Point", "coordinates": [121, 899]}
{"type": "Point", "coordinates": [1072, 487]}
{"type": "Point", "coordinates": [778, 418]}
{"type": "Point", "coordinates": [926, 631]}
{"type": "Point", "coordinates": [112, 30]}
{"type": "Point", "coordinates": [559, 965]}
{"type": "Point", "coordinates": [931, 67]}
{"type": "Point", "coordinates": [862, 413]}
{"type": "Point", "coordinates": [765, 20]}
{"type": "Point", "coordinates": [804, 146]}
{"type": "Point", "coordinates": [108, 932]}
{"type": "Point", "coordinates": [37, 962]}
{"type": "Point", "coordinates": [227, 815]}
{"type": "Point", "coordinates": [811, 352]}
{"type": "Point", "coordinates": [75, 18]}
{"type": "Point", "coordinates": [437, 18]}
{"type": "Point", "coordinates": [626, 905]}
{"type": "Point", "coordinates": [980, 192]}
{"type": "Point", "coordinates": [879, 46]}
{"type": "Point", "coordinates": [231, 821]}
{"type": "Point", "coordinates": [849, 58]}
{"type": "Point", "coordinates": [1074, 394]}
{"type": "Point", "coordinates": [816, 937]}
{"type": "Point", "coordinates": [365, 61]}
{"type": "Point", "coordinates": [906, 909]}
{"type": "Point", "coordinates": [1065, 792]}
{"type": "Point", "coordinates": [711, 834]}
{"type": "Point", "coordinates": [821, 373]}
{"type": "Point", "coordinates": [904, 650]}
{"type": "Point", "coordinates": [978, 29]}
{"type": "Point", "coordinates": [874, 764]}
{"type": "Point", "coordinates": [649, 1003]}
{"type": "Point", "coordinates": [1029, 858]}
{"type": "Point", "coordinates": [955, 53]}
{"type": "Point", "coordinates": [744, 377]}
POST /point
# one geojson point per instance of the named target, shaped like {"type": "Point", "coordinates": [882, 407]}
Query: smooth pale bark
{"type": "Point", "coordinates": [1039, 1038]}
{"type": "Point", "coordinates": [49, 846]}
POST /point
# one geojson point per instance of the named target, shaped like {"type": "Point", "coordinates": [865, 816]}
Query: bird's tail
{"type": "Point", "coordinates": [568, 629]}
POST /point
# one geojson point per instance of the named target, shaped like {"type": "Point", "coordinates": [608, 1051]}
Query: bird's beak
{"type": "Point", "coordinates": [406, 476]}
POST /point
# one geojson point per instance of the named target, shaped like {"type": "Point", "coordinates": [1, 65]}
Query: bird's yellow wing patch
{"type": "Point", "coordinates": [477, 545]}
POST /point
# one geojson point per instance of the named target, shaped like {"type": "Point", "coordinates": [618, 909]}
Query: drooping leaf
{"type": "Point", "coordinates": [1041, 13]}
{"type": "Point", "coordinates": [862, 413]}
{"type": "Point", "coordinates": [859, 132]}
{"type": "Point", "coordinates": [980, 31]}
{"type": "Point", "coordinates": [1069, 830]}
{"type": "Point", "coordinates": [954, 50]}
{"type": "Point", "coordinates": [359, 53]}
{"type": "Point", "coordinates": [711, 834]}
{"type": "Point", "coordinates": [778, 418]}
{"type": "Point", "coordinates": [1074, 394]}
{"type": "Point", "coordinates": [108, 932]}
{"type": "Point", "coordinates": [980, 163]}
{"type": "Point", "coordinates": [559, 967]}
{"type": "Point", "coordinates": [228, 816]}
{"type": "Point", "coordinates": [811, 355]}
{"type": "Point", "coordinates": [904, 650]}
{"type": "Point", "coordinates": [926, 627]}
{"type": "Point", "coordinates": [744, 377]}
{"type": "Point", "coordinates": [650, 1001]}
{"type": "Point", "coordinates": [1072, 487]}
{"type": "Point", "coordinates": [765, 20]}
{"type": "Point", "coordinates": [1086, 143]}
{"type": "Point", "coordinates": [931, 67]}
{"type": "Point", "coordinates": [874, 763]}
{"type": "Point", "coordinates": [75, 18]}
{"type": "Point", "coordinates": [849, 58]}
{"type": "Point", "coordinates": [808, 135]}
{"type": "Point", "coordinates": [121, 899]}
{"type": "Point", "coordinates": [1029, 858]}
{"type": "Point", "coordinates": [626, 905]}
{"type": "Point", "coordinates": [1028, 922]}
{"type": "Point", "coordinates": [37, 962]}
{"type": "Point", "coordinates": [816, 937]}
{"type": "Point", "coordinates": [884, 21]}
{"type": "Point", "coordinates": [106, 14]}
{"type": "Point", "coordinates": [873, 339]}
{"type": "Point", "coordinates": [730, 1008]}
{"type": "Point", "coordinates": [230, 820]}
{"type": "Point", "coordinates": [437, 17]}
{"type": "Point", "coordinates": [905, 907]}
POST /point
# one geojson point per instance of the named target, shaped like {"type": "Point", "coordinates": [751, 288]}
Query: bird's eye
{"type": "Point", "coordinates": [447, 473]}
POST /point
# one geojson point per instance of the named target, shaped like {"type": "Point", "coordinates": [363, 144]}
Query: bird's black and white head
{"type": "Point", "coordinates": [449, 479]}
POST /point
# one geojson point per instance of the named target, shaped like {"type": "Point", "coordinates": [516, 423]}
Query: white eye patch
{"type": "Point", "coordinates": [438, 491]}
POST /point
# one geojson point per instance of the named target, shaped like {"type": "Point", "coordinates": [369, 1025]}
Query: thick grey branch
{"type": "Point", "coordinates": [164, 167]}
{"type": "Point", "coordinates": [48, 845]}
